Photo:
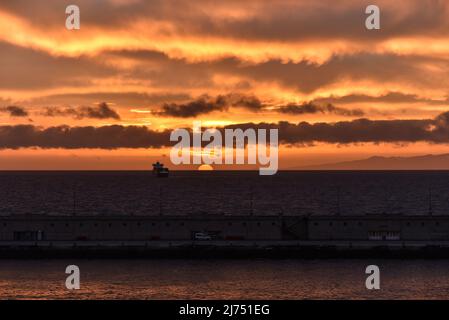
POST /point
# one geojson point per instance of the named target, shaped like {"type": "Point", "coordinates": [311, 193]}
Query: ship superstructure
{"type": "Point", "coordinates": [159, 170]}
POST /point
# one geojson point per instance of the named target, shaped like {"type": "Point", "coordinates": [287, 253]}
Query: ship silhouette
{"type": "Point", "coordinates": [159, 170]}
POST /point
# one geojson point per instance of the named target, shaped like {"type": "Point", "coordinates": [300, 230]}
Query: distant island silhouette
{"type": "Point", "coordinates": [425, 162]}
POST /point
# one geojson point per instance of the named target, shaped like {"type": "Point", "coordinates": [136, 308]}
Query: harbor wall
{"type": "Point", "coordinates": [374, 228]}
{"type": "Point", "coordinates": [139, 228]}
{"type": "Point", "coordinates": [225, 228]}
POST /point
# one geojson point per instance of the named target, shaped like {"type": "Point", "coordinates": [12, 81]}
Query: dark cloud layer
{"type": "Point", "coordinates": [134, 99]}
{"type": "Point", "coordinates": [311, 108]}
{"type": "Point", "coordinates": [206, 104]}
{"type": "Point", "coordinates": [106, 137]}
{"type": "Point", "coordinates": [302, 76]}
{"type": "Point", "coordinates": [390, 97]}
{"type": "Point", "coordinates": [307, 77]}
{"type": "Point", "coordinates": [102, 111]}
{"type": "Point", "coordinates": [111, 137]}
{"type": "Point", "coordinates": [15, 111]}
{"type": "Point", "coordinates": [251, 103]}
{"type": "Point", "coordinates": [202, 105]}
{"type": "Point", "coordinates": [362, 130]}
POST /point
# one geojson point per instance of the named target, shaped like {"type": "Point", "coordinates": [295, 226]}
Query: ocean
{"type": "Point", "coordinates": [295, 193]}
{"type": "Point", "coordinates": [186, 193]}
{"type": "Point", "coordinates": [224, 279]}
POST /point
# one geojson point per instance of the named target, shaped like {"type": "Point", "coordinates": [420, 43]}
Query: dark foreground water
{"type": "Point", "coordinates": [224, 279]}
{"type": "Point", "coordinates": [294, 193]}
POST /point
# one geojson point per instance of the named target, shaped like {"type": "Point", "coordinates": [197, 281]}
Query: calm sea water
{"type": "Point", "coordinates": [224, 279]}
{"type": "Point", "coordinates": [295, 193]}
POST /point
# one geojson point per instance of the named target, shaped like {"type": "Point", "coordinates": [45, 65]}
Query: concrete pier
{"type": "Point", "coordinates": [205, 235]}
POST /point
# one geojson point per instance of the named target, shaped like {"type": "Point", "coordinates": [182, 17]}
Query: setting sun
{"type": "Point", "coordinates": [205, 167]}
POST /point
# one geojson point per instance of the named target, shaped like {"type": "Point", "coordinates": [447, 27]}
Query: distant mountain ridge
{"type": "Point", "coordinates": [425, 162]}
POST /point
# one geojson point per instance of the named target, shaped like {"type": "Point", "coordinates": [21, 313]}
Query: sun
{"type": "Point", "coordinates": [205, 167]}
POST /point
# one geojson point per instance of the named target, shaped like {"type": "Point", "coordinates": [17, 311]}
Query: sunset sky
{"type": "Point", "coordinates": [107, 96]}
